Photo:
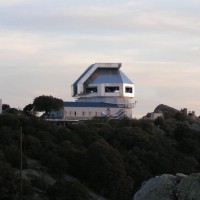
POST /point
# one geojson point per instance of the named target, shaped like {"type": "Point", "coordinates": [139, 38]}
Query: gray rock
{"type": "Point", "coordinates": [168, 112]}
{"type": "Point", "coordinates": [158, 188]}
{"type": "Point", "coordinates": [179, 177]}
{"type": "Point", "coordinates": [195, 126]}
{"type": "Point", "coordinates": [189, 188]}
{"type": "Point", "coordinates": [29, 174]}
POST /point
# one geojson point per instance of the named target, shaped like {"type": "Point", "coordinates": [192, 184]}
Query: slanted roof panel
{"type": "Point", "coordinates": [104, 75]}
{"type": "Point", "coordinates": [83, 74]}
{"type": "Point", "coordinates": [124, 78]}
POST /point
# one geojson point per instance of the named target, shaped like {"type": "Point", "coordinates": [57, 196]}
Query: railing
{"type": "Point", "coordinates": [118, 115]}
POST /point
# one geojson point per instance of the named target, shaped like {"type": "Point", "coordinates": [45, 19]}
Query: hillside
{"type": "Point", "coordinates": [111, 158]}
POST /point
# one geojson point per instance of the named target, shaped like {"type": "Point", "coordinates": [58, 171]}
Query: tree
{"type": "Point", "coordinates": [10, 120]}
{"type": "Point", "coordinates": [9, 182]}
{"type": "Point", "coordinates": [47, 104]}
{"type": "Point", "coordinates": [64, 190]}
{"type": "Point", "coordinates": [28, 108]}
{"type": "Point", "coordinates": [5, 107]}
{"type": "Point", "coordinates": [106, 171]}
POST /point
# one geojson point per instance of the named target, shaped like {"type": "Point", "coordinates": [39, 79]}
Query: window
{"type": "Point", "coordinates": [112, 89]}
{"type": "Point", "coordinates": [129, 90]}
{"type": "Point", "coordinates": [91, 90]}
{"type": "Point", "coordinates": [83, 113]}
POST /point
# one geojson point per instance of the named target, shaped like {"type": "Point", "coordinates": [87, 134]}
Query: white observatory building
{"type": "Point", "coordinates": [101, 90]}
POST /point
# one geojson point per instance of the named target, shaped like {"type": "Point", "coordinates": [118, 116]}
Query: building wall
{"type": "Point", "coordinates": [127, 102]}
{"type": "Point", "coordinates": [90, 112]}
{"type": "Point", "coordinates": [125, 94]}
{"type": "Point", "coordinates": [101, 90]}
{"type": "Point", "coordinates": [155, 115]}
{"type": "Point", "coordinates": [56, 114]}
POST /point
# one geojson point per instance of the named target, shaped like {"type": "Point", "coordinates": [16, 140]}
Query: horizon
{"type": "Point", "coordinates": [46, 45]}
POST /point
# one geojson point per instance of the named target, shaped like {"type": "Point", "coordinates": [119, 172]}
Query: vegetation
{"type": "Point", "coordinates": [44, 104]}
{"type": "Point", "coordinates": [111, 158]}
{"type": "Point", "coordinates": [5, 107]}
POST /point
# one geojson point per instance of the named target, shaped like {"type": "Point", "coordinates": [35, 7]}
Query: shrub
{"type": "Point", "coordinates": [68, 191]}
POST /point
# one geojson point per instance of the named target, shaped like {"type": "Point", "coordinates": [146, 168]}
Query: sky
{"type": "Point", "coordinates": [46, 44]}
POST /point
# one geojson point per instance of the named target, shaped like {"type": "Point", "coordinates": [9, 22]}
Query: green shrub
{"type": "Point", "coordinates": [68, 191]}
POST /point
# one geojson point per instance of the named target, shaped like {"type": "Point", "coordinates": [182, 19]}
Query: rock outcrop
{"type": "Point", "coordinates": [169, 187]}
{"type": "Point", "coordinates": [168, 112]}
{"type": "Point", "coordinates": [189, 188]}
{"type": "Point", "coordinates": [161, 187]}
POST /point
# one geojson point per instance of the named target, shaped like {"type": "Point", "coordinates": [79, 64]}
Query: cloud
{"type": "Point", "coordinates": [5, 3]}
{"type": "Point", "coordinates": [46, 45]}
{"type": "Point", "coordinates": [121, 17]}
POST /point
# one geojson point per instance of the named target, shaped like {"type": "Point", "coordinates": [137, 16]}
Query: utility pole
{"type": "Point", "coordinates": [21, 189]}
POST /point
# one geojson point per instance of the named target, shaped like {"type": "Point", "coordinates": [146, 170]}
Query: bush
{"type": "Point", "coordinates": [106, 171]}
{"type": "Point", "coordinates": [68, 191]}
{"type": "Point", "coordinates": [54, 163]}
{"type": "Point", "coordinates": [10, 120]}
{"type": "Point", "coordinates": [32, 146]}
{"type": "Point", "coordinates": [9, 182]}
{"type": "Point", "coordinates": [12, 155]}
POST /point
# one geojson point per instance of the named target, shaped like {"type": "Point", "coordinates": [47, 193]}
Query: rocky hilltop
{"type": "Point", "coordinates": [169, 187]}
{"type": "Point", "coordinates": [166, 110]}
{"type": "Point", "coordinates": [101, 158]}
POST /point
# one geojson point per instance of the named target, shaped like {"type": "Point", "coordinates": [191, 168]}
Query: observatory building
{"type": "Point", "coordinates": [101, 90]}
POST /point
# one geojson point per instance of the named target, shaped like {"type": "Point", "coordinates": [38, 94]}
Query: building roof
{"type": "Point", "coordinates": [90, 104]}
{"type": "Point", "coordinates": [100, 73]}
{"type": "Point", "coordinates": [83, 74]}
{"type": "Point", "coordinates": [104, 75]}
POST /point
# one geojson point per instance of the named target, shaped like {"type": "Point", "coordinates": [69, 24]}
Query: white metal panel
{"type": "Point", "coordinates": [108, 65]}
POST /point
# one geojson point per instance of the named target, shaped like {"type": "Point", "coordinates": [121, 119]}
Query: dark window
{"type": "Point", "coordinates": [111, 89]}
{"type": "Point", "coordinates": [83, 113]}
{"type": "Point", "coordinates": [129, 90]}
{"type": "Point", "coordinates": [91, 90]}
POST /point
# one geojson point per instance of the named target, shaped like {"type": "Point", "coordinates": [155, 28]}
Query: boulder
{"type": "Point", "coordinates": [30, 174]}
{"type": "Point", "coordinates": [168, 112]}
{"type": "Point", "coordinates": [189, 188]}
{"type": "Point", "coordinates": [169, 187]}
{"type": "Point", "coordinates": [161, 187]}
{"type": "Point", "coordinates": [179, 177]}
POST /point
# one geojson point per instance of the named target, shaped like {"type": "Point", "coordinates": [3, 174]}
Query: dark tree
{"type": "Point", "coordinates": [9, 182]}
{"type": "Point", "coordinates": [5, 107]}
{"type": "Point", "coordinates": [28, 108]}
{"type": "Point", "coordinates": [68, 191]}
{"type": "Point", "coordinates": [106, 171]}
{"type": "Point", "coordinates": [47, 104]}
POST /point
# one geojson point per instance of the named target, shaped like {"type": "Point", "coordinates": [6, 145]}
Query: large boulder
{"type": "Point", "coordinates": [169, 187]}
{"type": "Point", "coordinates": [168, 111]}
{"type": "Point", "coordinates": [189, 188]}
{"type": "Point", "coordinates": [161, 187]}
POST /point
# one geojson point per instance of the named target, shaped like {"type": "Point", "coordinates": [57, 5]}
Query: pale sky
{"type": "Point", "coordinates": [46, 44]}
